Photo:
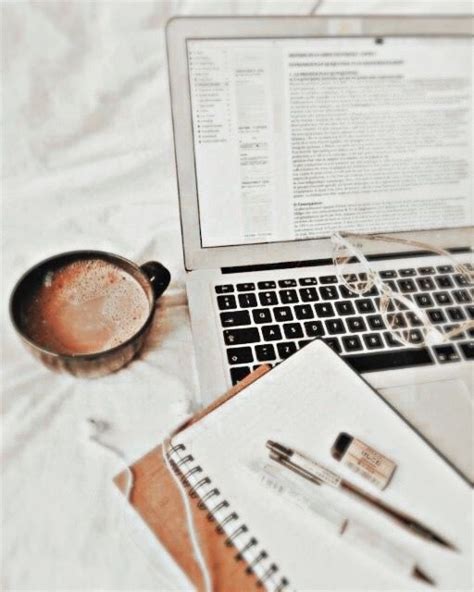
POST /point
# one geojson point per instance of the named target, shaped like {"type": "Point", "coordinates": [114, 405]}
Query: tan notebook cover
{"type": "Point", "coordinates": [156, 498]}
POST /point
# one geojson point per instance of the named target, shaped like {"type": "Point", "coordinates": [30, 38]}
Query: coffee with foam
{"type": "Point", "coordinates": [86, 307]}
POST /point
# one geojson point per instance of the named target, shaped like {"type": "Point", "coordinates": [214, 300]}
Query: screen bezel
{"type": "Point", "coordinates": [179, 30]}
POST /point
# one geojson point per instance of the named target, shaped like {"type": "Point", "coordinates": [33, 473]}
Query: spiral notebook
{"type": "Point", "coordinates": [251, 537]}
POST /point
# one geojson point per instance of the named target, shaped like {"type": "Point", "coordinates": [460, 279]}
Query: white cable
{"type": "Point", "coordinates": [100, 427]}
{"type": "Point", "coordinates": [190, 521]}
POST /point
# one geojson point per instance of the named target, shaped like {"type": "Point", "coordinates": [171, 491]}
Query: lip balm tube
{"type": "Point", "coordinates": [363, 459]}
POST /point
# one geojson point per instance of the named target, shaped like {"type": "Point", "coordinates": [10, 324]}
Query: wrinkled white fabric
{"type": "Point", "coordinates": [88, 162]}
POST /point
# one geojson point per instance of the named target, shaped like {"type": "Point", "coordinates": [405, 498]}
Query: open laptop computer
{"type": "Point", "coordinates": [287, 129]}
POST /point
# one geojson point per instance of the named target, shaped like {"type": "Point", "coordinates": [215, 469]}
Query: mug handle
{"type": "Point", "coordinates": [158, 275]}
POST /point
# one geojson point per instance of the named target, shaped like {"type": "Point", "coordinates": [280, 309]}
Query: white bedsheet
{"type": "Point", "coordinates": [88, 163]}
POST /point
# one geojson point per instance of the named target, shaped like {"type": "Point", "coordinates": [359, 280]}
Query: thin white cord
{"type": "Point", "coordinates": [100, 427]}
{"type": "Point", "coordinates": [190, 521]}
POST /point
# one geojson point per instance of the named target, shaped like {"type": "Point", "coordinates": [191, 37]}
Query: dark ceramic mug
{"type": "Point", "coordinates": [149, 281]}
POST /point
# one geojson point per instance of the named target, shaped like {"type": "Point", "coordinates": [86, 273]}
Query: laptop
{"type": "Point", "coordinates": [288, 129]}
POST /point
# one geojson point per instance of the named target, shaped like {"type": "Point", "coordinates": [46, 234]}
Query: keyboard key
{"type": "Point", "coordinates": [390, 305]}
{"type": "Point", "coordinates": [239, 355]}
{"type": "Point", "coordinates": [372, 292]}
{"type": "Point", "coordinates": [245, 287]}
{"type": "Point", "coordinates": [346, 293]}
{"type": "Point", "coordinates": [424, 300]}
{"type": "Point", "coordinates": [365, 305]}
{"type": "Point", "coordinates": [224, 289]}
{"type": "Point", "coordinates": [265, 352]}
{"type": "Point", "coordinates": [288, 296]}
{"type": "Point", "coordinates": [444, 281]}
{"type": "Point", "coordinates": [406, 286]}
{"type": "Point", "coordinates": [391, 340]}
{"type": "Point", "coordinates": [402, 305]}
{"type": "Point", "coordinates": [413, 319]}
{"type": "Point", "coordinates": [448, 328]}
{"type": "Point", "coordinates": [324, 309]}
{"type": "Point", "coordinates": [303, 312]}
{"type": "Point", "coordinates": [309, 294]}
{"type": "Point", "coordinates": [393, 285]}
{"type": "Point", "coordinates": [462, 296]}
{"type": "Point", "coordinates": [446, 353]}
{"type": "Point", "coordinates": [415, 336]}
{"type": "Point", "coordinates": [268, 285]}
{"type": "Point", "coordinates": [308, 281]}
{"type": "Point", "coordinates": [375, 322]}
{"type": "Point", "coordinates": [335, 326]}
{"type": "Point", "coordinates": [426, 270]}
{"type": "Point", "coordinates": [456, 314]}
{"type": "Point", "coordinates": [397, 321]}
{"type": "Point", "coordinates": [436, 316]}
{"type": "Point", "coordinates": [268, 298]}
{"type": "Point", "coordinates": [333, 343]}
{"type": "Point", "coordinates": [351, 343]}
{"type": "Point", "coordinates": [304, 342]}
{"type": "Point", "coordinates": [286, 349]}
{"type": "Point", "coordinates": [262, 315]}
{"type": "Point", "coordinates": [443, 298]}
{"type": "Point", "coordinates": [345, 307]}
{"type": "Point", "coordinates": [388, 274]}
{"type": "Point", "coordinates": [287, 283]}
{"type": "Point", "coordinates": [408, 272]}
{"type": "Point", "coordinates": [425, 283]}
{"type": "Point", "coordinates": [237, 374]}
{"type": "Point", "coordinates": [373, 341]}
{"type": "Point", "coordinates": [445, 268]}
{"type": "Point", "coordinates": [470, 311]}
{"type": "Point", "coordinates": [403, 358]}
{"type": "Point", "coordinates": [461, 280]}
{"type": "Point", "coordinates": [226, 302]}
{"type": "Point", "coordinates": [271, 333]}
{"type": "Point", "coordinates": [467, 349]}
{"type": "Point", "coordinates": [247, 300]}
{"type": "Point", "coordinates": [282, 314]}
{"type": "Point", "coordinates": [356, 324]}
{"type": "Point", "coordinates": [241, 336]}
{"type": "Point", "coordinates": [351, 278]}
{"type": "Point", "coordinates": [314, 329]}
{"type": "Point", "coordinates": [235, 318]}
{"type": "Point", "coordinates": [328, 279]}
{"type": "Point", "coordinates": [328, 292]}
{"type": "Point", "coordinates": [293, 330]}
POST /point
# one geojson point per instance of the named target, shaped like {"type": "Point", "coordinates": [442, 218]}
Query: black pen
{"type": "Point", "coordinates": [319, 475]}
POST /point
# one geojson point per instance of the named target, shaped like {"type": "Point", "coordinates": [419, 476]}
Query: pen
{"type": "Point", "coordinates": [319, 474]}
{"type": "Point", "coordinates": [363, 538]}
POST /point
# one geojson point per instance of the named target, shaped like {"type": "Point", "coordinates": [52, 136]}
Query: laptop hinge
{"type": "Point", "coordinates": [321, 262]}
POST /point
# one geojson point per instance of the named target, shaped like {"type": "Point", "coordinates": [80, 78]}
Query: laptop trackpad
{"type": "Point", "coordinates": [442, 411]}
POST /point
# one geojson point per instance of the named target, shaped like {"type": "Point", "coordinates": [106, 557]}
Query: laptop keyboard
{"type": "Point", "coordinates": [268, 321]}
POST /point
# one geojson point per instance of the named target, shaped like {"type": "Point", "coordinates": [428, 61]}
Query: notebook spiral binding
{"type": "Point", "coordinates": [238, 536]}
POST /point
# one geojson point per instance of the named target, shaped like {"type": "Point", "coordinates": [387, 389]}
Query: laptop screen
{"type": "Point", "coordinates": [296, 138]}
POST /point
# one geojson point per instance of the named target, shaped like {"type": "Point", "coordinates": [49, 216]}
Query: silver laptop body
{"type": "Point", "coordinates": [287, 129]}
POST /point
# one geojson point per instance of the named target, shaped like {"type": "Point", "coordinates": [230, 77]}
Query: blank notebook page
{"type": "Point", "coordinates": [305, 403]}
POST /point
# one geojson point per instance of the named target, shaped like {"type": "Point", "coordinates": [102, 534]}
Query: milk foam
{"type": "Point", "coordinates": [87, 307]}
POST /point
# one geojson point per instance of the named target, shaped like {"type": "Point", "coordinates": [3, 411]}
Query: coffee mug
{"type": "Point", "coordinates": [86, 312]}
